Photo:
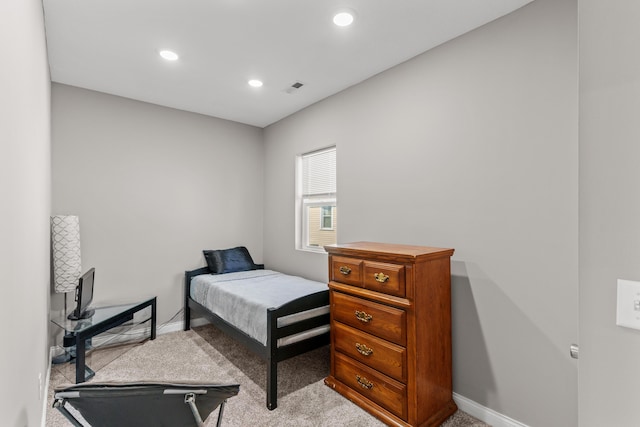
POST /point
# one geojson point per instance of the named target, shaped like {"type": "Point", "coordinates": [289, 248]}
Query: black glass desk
{"type": "Point", "coordinates": [77, 332]}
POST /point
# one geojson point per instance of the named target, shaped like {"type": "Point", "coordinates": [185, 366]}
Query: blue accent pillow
{"type": "Point", "coordinates": [231, 260]}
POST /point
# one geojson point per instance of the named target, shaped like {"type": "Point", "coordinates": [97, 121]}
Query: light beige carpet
{"type": "Point", "coordinates": [206, 355]}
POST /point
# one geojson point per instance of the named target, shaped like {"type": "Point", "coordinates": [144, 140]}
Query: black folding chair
{"type": "Point", "coordinates": [143, 403]}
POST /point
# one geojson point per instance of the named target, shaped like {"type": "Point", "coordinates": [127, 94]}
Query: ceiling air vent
{"type": "Point", "coordinates": [294, 87]}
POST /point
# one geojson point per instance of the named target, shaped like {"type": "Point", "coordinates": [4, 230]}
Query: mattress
{"type": "Point", "coordinates": [243, 298]}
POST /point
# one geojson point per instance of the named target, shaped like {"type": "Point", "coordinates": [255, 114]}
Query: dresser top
{"type": "Point", "coordinates": [405, 252]}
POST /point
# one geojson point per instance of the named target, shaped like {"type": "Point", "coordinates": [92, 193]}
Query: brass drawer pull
{"type": "Point", "coordinates": [381, 277]}
{"type": "Point", "coordinates": [363, 317]}
{"type": "Point", "coordinates": [363, 349]}
{"type": "Point", "coordinates": [345, 270]}
{"type": "Point", "coordinates": [364, 383]}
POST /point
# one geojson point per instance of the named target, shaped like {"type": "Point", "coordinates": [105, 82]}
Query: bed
{"type": "Point", "coordinates": [274, 315]}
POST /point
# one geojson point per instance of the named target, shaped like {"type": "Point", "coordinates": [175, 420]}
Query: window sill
{"type": "Point", "coordinates": [319, 250]}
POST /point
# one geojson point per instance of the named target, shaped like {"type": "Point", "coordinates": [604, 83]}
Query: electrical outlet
{"type": "Point", "coordinates": [628, 307]}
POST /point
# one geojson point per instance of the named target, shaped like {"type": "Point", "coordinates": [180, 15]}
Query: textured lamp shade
{"type": "Point", "coordinates": [65, 245]}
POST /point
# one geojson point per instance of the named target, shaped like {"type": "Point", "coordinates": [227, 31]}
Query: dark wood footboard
{"type": "Point", "coordinates": [271, 352]}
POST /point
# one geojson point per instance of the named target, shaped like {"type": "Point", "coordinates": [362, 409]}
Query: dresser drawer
{"type": "Point", "coordinates": [377, 319]}
{"type": "Point", "coordinates": [379, 388]}
{"type": "Point", "coordinates": [346, 270]}
{"type": "Point", "coordinates": [385, 278]}
{"type": "Point", "coordinates": [388, 358]}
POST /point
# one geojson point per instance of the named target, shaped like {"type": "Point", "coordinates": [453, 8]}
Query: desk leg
{"type": "Point", "coordinates": [80, 359]}
{"type": "Point", "coordinates": [153, 319]}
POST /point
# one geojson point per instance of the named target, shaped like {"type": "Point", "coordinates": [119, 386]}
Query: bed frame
{"type": "Point", "coordinates": [270, 352]}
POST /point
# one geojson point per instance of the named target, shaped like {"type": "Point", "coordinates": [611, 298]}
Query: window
{"type": "Point", "coordinates": [316, 216]}
{"type": "Point", "coordinates": [327, 218]}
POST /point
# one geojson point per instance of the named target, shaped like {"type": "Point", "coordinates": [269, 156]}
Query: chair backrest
{"type": "Point", "coordinates": [143, 403]}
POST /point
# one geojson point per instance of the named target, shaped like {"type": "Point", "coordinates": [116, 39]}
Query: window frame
{"type": "Point", "coordinates": [303, 203]}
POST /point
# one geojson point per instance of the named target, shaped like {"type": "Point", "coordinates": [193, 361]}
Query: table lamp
{"type": "Point", "coordinates": [67, 265]}
{"type": "Point", "coordinates": [65, 246]}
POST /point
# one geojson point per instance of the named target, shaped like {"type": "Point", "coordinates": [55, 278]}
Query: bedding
{"type": "Point", "coordinates": [243, 298]}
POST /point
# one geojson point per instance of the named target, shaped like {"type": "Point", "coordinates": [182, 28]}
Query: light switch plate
{"type": "Point", "coordinates": [628, 309]}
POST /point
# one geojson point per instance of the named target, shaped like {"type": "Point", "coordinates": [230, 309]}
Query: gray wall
{"type": "Point", "coordinates": [609, 209]}
{"type": "Point", "coordinates": [472, 145]}
{"type": "Point", "coordinates": [153, 187]}
{"type": "Point", "coordinates": [25, 204]}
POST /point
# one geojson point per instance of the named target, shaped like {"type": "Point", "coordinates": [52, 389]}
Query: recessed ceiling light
{"type": "Point", "coordinates": [169, 55]}
{"type": "Point", "coordinates": [255, 83]}
{"type": "Point", "coordinates": [344, 18]}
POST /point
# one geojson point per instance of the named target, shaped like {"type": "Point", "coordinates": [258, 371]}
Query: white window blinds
{"type": "Point", "coordinates": [319, 173]}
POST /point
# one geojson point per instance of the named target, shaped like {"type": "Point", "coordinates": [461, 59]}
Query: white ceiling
{"type": "Point", "coordinates": [112, 46]}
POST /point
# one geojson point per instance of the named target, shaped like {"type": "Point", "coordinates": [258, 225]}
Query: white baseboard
{"type": "Point", "coordinates": [137, 334]}
{"type": "Point", "coordinates": [178, 326]}
{"type": "Point", "coordinates": [200, 321]}
{"type": "Point", "coordinates": [45, 391]}
{"type": "Point", "coordinates": [485, 414]}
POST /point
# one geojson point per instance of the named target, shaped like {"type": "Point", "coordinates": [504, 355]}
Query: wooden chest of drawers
{"type": "Point", "coordinates": [391, 330]}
